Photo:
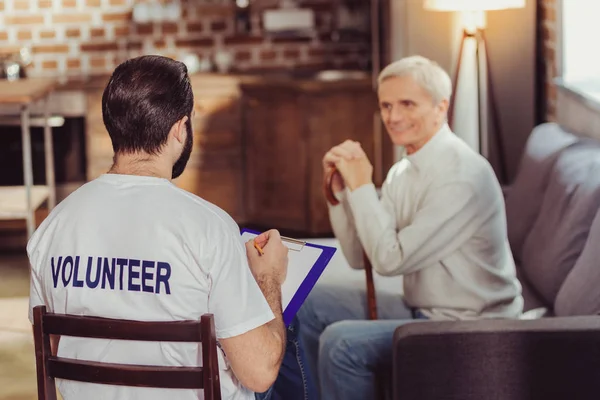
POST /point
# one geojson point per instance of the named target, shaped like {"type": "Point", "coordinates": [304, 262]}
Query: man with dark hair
{"type": "Point", "coordinates": [148, 94]}
{"type": "Point", "coordinates": [131, 245]}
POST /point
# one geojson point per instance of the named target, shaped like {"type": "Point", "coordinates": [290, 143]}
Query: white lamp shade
{"type": "Point", "coordinates": [472, 5]}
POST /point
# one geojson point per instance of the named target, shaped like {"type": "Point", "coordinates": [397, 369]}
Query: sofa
{"type": "Point", "coordinates": [554, 351]}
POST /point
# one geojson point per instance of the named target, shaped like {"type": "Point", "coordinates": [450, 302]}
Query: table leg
{"type": "Point", "coordinates": [49, 156]}
{"type": "Point", "coordinates": [27, 169]}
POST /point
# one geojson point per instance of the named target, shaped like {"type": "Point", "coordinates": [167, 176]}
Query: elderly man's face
{"type": "Point", "coordinates": [409, 112]}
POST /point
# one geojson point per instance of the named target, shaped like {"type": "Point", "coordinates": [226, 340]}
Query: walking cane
{"type": "Point", "coordinates": [371, 300]}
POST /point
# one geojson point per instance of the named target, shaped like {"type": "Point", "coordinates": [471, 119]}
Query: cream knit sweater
{"type": "Point", "coordinates": [441, 223]}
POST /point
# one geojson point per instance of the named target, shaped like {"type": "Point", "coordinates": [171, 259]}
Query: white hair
{"type": "Point", "coordinates": [426, 73]}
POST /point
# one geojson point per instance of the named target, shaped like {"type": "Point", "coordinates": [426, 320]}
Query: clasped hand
{"type": "Point", "coordinates": [353, 165]}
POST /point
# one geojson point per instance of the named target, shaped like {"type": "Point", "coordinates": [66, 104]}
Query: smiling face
{"type": "Point", "coordinates": [410, 114]}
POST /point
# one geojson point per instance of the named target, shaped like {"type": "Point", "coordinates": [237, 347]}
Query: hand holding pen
{"type": "Point", "coordinates": [268, 256]}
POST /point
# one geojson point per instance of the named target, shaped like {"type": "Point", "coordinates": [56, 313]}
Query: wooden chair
{"type": "Point", "coordinates": [50, 367]}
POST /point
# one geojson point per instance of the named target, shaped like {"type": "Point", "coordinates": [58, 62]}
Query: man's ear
{"type": "Point", "coordinates": [442, 109]}
{"type": "Point", "coordinates": [443, 106]}
{"type": "Point", "coordinates": [178, 130]}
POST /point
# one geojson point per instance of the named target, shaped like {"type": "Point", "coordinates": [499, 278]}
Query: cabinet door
{"type": "Point", "coordinates": [276, 160]}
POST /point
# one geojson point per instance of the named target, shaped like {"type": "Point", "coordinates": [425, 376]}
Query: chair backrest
{"type": "Point", "coordinates": [50, 367]}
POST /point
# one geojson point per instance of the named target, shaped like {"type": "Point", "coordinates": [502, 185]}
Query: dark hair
{"type": "Point", "coordinates": [143, 99]}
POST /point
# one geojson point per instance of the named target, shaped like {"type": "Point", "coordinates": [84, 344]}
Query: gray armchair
{"type": "Point", "coordinates": [554, 232]}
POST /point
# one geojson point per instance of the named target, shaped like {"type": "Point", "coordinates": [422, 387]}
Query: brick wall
{"type": "Point", "coordinates": [549, 24]}
{"type": "Point", "coordinates": [91, 37]}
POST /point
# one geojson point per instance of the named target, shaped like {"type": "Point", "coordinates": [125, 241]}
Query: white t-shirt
{"type": "Point", "coordinates": [135, 247]}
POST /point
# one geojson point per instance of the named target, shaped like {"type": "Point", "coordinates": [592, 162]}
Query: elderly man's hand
{"type": "Point", "coordinates": [356, 173]}
{"type": "Point", "coordinates": [347, 150]}
{"type": "Point", "coordinates": [356, 170]}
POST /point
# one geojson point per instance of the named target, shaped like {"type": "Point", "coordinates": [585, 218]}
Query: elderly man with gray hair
{"type": "Point", "coordinates": [440, 222]}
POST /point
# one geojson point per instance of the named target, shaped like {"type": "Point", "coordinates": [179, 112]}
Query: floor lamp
{"type": "Point", "coordinates": [473, 13]}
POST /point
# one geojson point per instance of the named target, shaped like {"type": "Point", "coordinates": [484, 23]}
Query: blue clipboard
{"type": "Point", "coordinates": [309, 281]}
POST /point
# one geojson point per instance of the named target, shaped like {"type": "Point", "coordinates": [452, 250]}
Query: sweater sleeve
{"type": "Point", "coordinates": [342, 223]}
{"type": "Point", "coordinates": [445, 219]}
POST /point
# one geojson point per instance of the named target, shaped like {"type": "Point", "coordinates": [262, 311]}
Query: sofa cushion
{"type": "Point", "coordinates": [580, 294]}
{"type": "Point", "coordinates": [525, 195]}
{"type": "Point", "coordinates": [560, 232]}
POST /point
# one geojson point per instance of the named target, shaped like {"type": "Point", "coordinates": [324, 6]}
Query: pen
{"type": "Point", "coordinates": [257, 247]}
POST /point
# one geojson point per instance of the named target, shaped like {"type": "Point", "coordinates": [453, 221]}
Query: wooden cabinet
{"type": "Point", "coordinates": [287, 130]}
{"type": "Point", "coordinates": [214, 171]}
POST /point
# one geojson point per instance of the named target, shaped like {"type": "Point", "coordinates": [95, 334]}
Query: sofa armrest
{"type": "Point", "coordinates": [549, 358]}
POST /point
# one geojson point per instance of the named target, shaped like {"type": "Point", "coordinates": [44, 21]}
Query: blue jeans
{"type": "Point", "coordinates": [342, 346]}
{"type": "Point", "coordinates": [294, 381]}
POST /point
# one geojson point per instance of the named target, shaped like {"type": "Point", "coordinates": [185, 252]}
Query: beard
{"type": "Point", "coordinates": [183, 159]}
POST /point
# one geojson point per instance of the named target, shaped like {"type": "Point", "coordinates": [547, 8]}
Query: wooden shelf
{"type": "Point", "coordinates": [13, 203]}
